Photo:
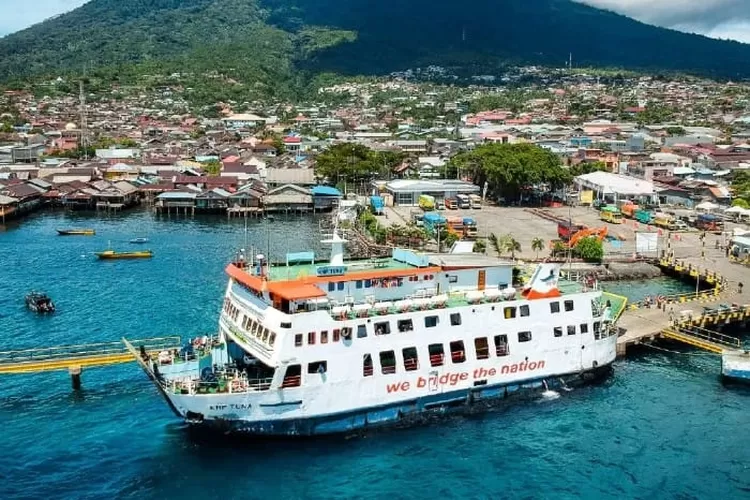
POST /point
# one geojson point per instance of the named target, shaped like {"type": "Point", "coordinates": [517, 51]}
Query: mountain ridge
{"type": "Point", "coordinates": [270, 40]}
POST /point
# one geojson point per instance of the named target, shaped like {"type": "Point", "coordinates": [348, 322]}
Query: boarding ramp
{"type": "Point", "coordinates": [617, 303]}
{"type": "Point", "coordinates": [703, 338]}
{"type": "Point", "coordinates": [45, 359]}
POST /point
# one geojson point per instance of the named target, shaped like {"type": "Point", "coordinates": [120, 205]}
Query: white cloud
{"type": "Point", "coordinates": [19, 14]}
{"type": "Point", "coordinates": [715, 18]}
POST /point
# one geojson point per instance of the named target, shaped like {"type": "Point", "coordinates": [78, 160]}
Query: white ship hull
{"type": "Point", "coordinates": [388, 346]}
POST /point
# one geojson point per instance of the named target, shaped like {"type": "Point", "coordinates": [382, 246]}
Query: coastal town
{"type": "Point", "coordinates": [683, 141]}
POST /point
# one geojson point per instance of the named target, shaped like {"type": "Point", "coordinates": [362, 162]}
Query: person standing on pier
{"type": "Point", "coordinates": [739, 287]}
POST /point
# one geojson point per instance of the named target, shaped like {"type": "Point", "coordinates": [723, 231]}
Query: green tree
{"type": "Point", "coordinates": [537, 245]}
{"type": "Point", "coordinates": [511, 246]}
{"type": "Point", "coordinates": [479, 247]}
{"type": "Point", "coordinates": [742, 203]}
{"type": "Point", "coordinates": [509, 169]}
{"type": "Point", "coordinates": [497, 244]}
{"type": "Point", "coordinates": [353, 163]}
{"type": "Point", "coordinates": [212, 167]}
{"type": "Point", "coordinates": [590, 250]}
{"type": "Point", "coordinates": [587, 168]}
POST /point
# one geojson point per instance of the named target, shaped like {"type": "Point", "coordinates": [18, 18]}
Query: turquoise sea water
{"type": "Point", "coordinates": [662, 426]}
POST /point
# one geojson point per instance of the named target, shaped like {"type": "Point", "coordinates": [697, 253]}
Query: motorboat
{"type": "Point", "coordinates": [39, 303]}
{"type": "Point", "coordinates": [113, 255]}
{"type": "Point", "coordinates": [76, 232]}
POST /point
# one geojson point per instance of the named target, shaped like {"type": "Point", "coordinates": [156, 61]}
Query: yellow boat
{"type": "Point", "coordinates": [111, 255]}
{"type": "Point", "coordinates": [76, 232]}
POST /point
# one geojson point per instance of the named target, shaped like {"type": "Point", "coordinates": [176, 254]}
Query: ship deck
{"type": "Point", "coordinates": [300, 271]}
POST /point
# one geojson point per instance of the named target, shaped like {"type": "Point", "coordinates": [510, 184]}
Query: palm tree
{"type": "Point", "coordinates": [496, 244]}
{"type": "Point", "coordinates": [537, 244]}
{"type": "Point", "coordinates": [512, 245]}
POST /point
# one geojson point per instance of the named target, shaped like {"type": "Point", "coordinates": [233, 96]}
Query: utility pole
{"type": "Point", "coordinates": [84, 124]}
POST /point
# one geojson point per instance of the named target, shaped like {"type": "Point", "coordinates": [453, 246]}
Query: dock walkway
{"type": "Point", "coordinates": [79, 356]}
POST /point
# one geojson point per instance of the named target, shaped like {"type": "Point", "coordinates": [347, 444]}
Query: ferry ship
{"type": "Point", "coordinates": [312, 348]}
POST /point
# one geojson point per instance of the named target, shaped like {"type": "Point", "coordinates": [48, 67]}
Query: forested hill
{"type": "Point", "coordinates": [268, 40]}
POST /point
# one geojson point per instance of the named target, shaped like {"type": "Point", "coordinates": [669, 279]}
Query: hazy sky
{"type": "Point", "coordinates": [716, 18]}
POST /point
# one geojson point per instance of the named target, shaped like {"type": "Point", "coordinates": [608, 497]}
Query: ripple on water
{"type": "Point", "coordinates": [662, 426]}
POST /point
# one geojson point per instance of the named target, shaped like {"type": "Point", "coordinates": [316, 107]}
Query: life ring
{"type": "Point", "coordinates": [346, 333]}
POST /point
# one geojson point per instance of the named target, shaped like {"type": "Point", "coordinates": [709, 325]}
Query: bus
{"type": "Point", "coordinates": [426, 202]}
{"type": "Point", "coordinates": [475, 201]}
{"type": "Point", "coordinates": [463, 201]}
{"type": "Point", "coordinates": [611, 214]}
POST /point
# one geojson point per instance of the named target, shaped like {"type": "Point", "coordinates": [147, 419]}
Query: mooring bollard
{"type": "Point", "coordinates": [75, 377]}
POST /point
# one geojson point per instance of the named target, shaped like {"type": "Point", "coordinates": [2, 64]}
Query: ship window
{"type": "Point", "coordinates": [244, 322]}
{"type": "Point", "coordinates": [272, 339]}
{"type": "Point", "coordinates": [452, 278]}
{"type": "Point", "coordinates": [286, 324]}
{"type": "Point", "coordinates": [340, 285]}
{"type": "Point", "coordinates": [331, 286]}
{"type": "Point", "coordinates": [436, 354]}
{"type": "Point", "coordinates": [368, 283]}
{"type": "Point", "coordinates": [317, 367]}
{"type": "Point", "coordinates": [524, 310]}
{"type": "Point", "coordinates": [311, 338]}
{"type": "Point", "coordinates": [359, 284]}
{"type": "Point", "coordinates": [266, 334]}
{"type": "Point", "coordinates": [584, 328]}
{"type": "Point", "coordinates": [554, 307]}
{"type": "Point", "coordinates": [411, 362]}
{"type": "Point", "coordinates": [293, 376]}
{"type": "Point", "coordinates": [524, 336]}
{"type": "Point", "coordinates": [501, 345]}
{"type": "Point", "coordinates": [556, 330]}
{"type": "Point", "coordinates": [367, 365]}
{"type": "Point", "coordinates": [253, 327]}
{"type": "Point", "coordinates": [405, 325]}
{"type": "Point", "coordinates": [336, 335]}
{"type": "Point", "coordinates": [509, 312]}
{"type": "Point", "coordinates": [568, 305]}
{"type": "Point", "coordinates": [458, 354]}
{"type": "Point", "coordinates": [387, 362]}
{"type": "Point", "coordinates": [482, 347]}
{"type": "Point", "coordinates": [324, 337]}
{"type": "Point", "coordinates": [571, 329]}
{"type": "Point", "coordinates": [455, 319]}
{"type": "Point", "coordinates": [597, 330]}
{"type": "Point", "coordinates": [383, 328]}
{"type": "Point", "coordinates": [361, 331]}
{"type": "Point", "coordinates": [430, 321]}
{"type": "Point", "coordinates": [298, 340]}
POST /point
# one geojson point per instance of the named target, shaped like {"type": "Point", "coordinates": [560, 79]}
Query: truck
{"type": "Point", "coordinates": [463, 201]}
{"type": "Point", "coordinates": [664, 221]}
{"type": "Point", "coordinates": [475, 201]}
{"type": "Point", "coordinates": [451, 204]}
{"type": "Point", "coordinates": [708, 222]}
{"type": "Point", "coordinates": [470, 227]}
{"type": "Point", "coordinates": [426, 202]}
{"type": "Point", "coordinates": [433, 221]}
{"type": "Point", "coordinates": [611, 214]}
{"type": "Point", "coordinates": [628, 209]}
{"type": "Point", "coordinates": [643, 216]}
{"type": "Point", "coordinates": [377, 205]}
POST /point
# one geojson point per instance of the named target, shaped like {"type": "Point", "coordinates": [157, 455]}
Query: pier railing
{"type": "Point", "coordinates": [66, 356]}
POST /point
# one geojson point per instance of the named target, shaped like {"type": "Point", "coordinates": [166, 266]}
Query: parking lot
{"type": "Point", "coordinates": [524, 226]}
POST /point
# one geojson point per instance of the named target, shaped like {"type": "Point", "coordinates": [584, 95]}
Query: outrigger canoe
{"type": "Point", "coordinates": [111, 255]}
{"type": "Point", "coordinates": [76, 232]}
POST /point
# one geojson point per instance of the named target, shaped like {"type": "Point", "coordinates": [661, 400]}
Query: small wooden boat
{"type": "Point", "coordinates": [39, 303]}
{"type": "Point", "coordinates": [139, 240]}
{"type": "Point", "coordinates": [76, 232]}
{"type": "Point", "coordinates": [112, 255]}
